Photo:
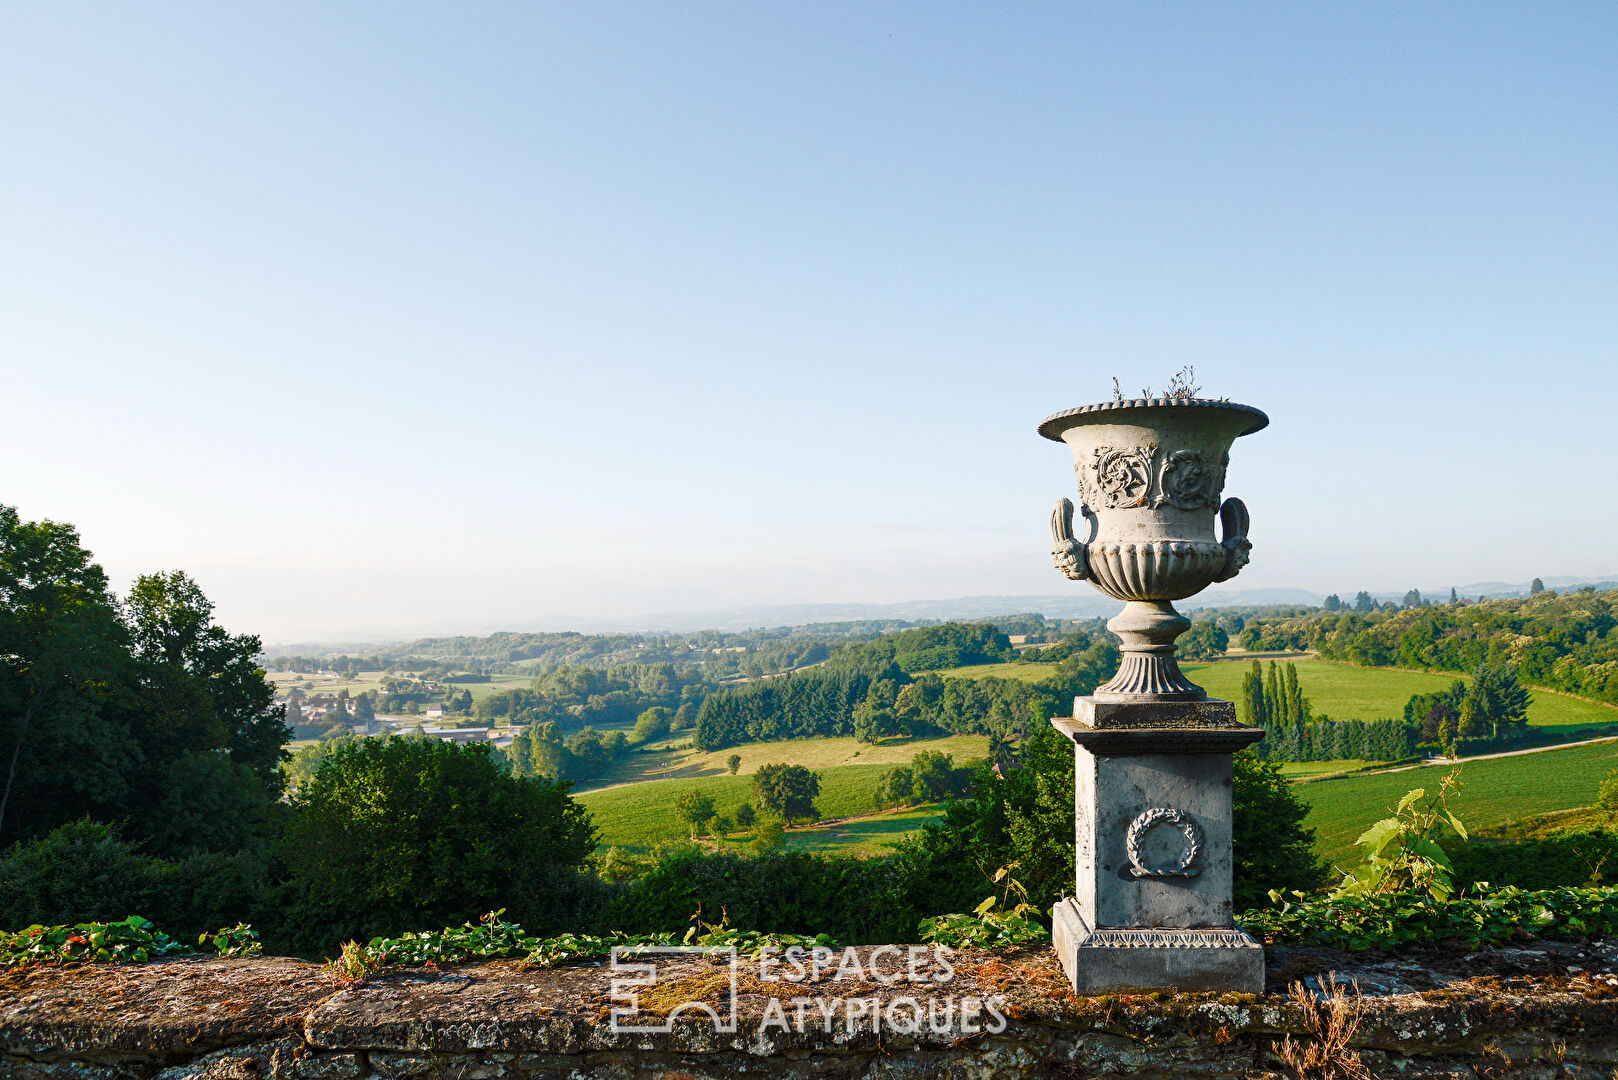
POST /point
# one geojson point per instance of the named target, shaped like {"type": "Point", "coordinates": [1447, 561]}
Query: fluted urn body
{"type": "Point", "coordinates": [1151, 474]}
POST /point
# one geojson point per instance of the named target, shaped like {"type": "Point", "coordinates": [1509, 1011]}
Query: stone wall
{"type": "Point", "coordinates": [1538, 1011]}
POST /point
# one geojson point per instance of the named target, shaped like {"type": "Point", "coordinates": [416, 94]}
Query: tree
{"type": "Point", "coordinates": [1002, 751]}
{"type": "Point", "coordinates": [694, 808]}
{"type": "Point", "coordinates": [1206, 640]}
{"type": "Point", "coordinates": [746, 815]}
{"type": "Point", "coordinates": [1496, 703]}
{"type": "Point", "coordinates": [61, 651]}
{"type": "Point", "coordinates": [394, 832]}
{"type": "Point", "coordinates": [1363, 604]}
{"type": "Point", "coordinates": [788, 791]}
{"type": "Point", "coordinates": [1438, 712]}
{"type": "Point", "coordinates": [199, 687]}
{"type": "Point", "coordinates": [1536, 587]}
{"type": "Point", "coordinates": [538, 751]}
{"type": "Point", "coordinates": [1412, 598]}
{"type": "Point", "coordinates": [733, 763]}
{"type": "Point", "coordinates": [1273, 848]}
{"type": "Point", "coordinates": [654, 723]}
{"type": "Point", "coordinates": [1452, 597]}
{"type": "Point", "coordinates": [1333, 603]}
{"type": "Point", "coordinates": [365, 709]}
{"type": "Point", "coordinates": [1254, 710]}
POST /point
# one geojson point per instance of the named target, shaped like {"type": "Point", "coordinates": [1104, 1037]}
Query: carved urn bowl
{"type": "Point", "coordinates": [1151, 475]}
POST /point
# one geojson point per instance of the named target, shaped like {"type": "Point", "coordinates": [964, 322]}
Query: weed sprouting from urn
{"type": "Point", "coordinates": [1182, 387]}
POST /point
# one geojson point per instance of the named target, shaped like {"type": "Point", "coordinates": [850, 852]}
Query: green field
{"type": "Point", "coordinates": [1346, 692]}
{"type": "Point", "coordinates": [1298, 770]}
{"type": "Point", "coordinates": [1496, 791]}
{"type": "Point", "coordinates": [1341, 691]}
{"type": "Point", "coordinates": [1034, 672]}
{"type": "Point", "coordinates": [331, 684]}
{"type": "Point", "coordinates": [639, 817]}
{"type": "Point", "coordinates": [673, 758]}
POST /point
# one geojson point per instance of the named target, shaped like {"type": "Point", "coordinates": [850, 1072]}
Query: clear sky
{"type": "Point", "coordinates": [388, 317]}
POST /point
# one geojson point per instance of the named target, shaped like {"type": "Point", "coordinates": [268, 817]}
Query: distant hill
{"type": "Point", "coordinates": [1080, 603]}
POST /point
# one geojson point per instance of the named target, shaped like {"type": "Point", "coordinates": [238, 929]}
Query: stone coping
{"type": "Point", "coordinates": [1537, 1011]}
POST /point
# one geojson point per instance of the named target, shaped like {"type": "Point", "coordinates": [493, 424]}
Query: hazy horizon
{"type": "Point", "coordinates": [432, 317]}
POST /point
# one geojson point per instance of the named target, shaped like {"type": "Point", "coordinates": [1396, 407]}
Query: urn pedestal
{"type": "Point", "coordinates": [1152, 850]}
{"type": "Point", "coordinates": [1152, 752]}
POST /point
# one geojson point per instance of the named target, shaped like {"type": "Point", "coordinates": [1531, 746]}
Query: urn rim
{"type": "Point", "coordinates": [1052, 426]}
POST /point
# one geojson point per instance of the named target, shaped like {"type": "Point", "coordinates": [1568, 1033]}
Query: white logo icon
{"type": "Point", "coordinates": [625, 1017]}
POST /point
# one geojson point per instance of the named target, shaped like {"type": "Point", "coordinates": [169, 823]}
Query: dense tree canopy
{"type": "Point", "coordinates": [397, 832]}
{"type": "Point", "coordinates": [865, 692]}
{"type": "Point", "coordinates": [145, 712]}
{"type": "Point", "coordinates": [1563, 642]}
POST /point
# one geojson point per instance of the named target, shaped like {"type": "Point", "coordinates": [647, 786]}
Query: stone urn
{"type": "Point", "coordinates": [1153, 817]}
{"type": "Point", "coordinates": [1151, 472]}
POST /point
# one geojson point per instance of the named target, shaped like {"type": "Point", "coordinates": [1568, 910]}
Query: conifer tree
{"type": "Point", "coordinates": [1253, 698]}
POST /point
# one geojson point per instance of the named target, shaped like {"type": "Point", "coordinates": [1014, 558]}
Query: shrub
{"type": "Point", "coordinates": [401, 832]}
{"type": "Point", "coordinates": [853, 900]}
{"type": "Point", "coordinates": [1583, 858]}
{"type": "Point", "coordinates": [85, 871]}
{"type": "Point", "coordinates": [1392, 920]}
{"type": "Point", "coordinates": [77, 873]}
{"type": "Point", "coordinates": [1607, 796]}
{"type": "Point", "coordinates": [768, 835]}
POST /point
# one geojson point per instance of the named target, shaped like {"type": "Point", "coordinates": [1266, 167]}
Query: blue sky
{"type": "Point", "coordinates": [394, 318]}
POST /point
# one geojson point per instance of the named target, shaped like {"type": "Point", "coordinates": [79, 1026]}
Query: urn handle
{"type": "Point", "coordinates": [1068, 554]}
{"type": "Point", "coordinates": [1233, 522]}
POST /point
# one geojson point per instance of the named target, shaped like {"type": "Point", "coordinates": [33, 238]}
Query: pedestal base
{"type": "Point", "coordinates": [1103, 960]}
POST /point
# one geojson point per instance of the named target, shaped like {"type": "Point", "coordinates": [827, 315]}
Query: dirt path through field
{"type": "Point", "coordinates": [1485, 757]}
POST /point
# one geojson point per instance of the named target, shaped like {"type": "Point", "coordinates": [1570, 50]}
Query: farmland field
{"type": "Point", "coordinates": [1297, 770]}
{"type": "Point", "coordinates": [372, 680]}
{"type": "Point", "coordinates": [1346, 692]}
{"type": "Point", "coordinates": [1495, 791]}
{"type": "Point", "coordinates": [1034, 672]}
{"type": "Point", "coordinates": [673, 758]}
{"type": "Point", "coordinates": [1341, 691]}
{"type": "Point", "coordinates": [639, 817]}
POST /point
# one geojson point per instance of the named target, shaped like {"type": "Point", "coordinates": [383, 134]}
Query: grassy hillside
{"type": "Point", "coordinates": [1346, 692]}
{"type": "Point", "coordinates": [372, 680]}
{"type": "Point", "coordinates": [1035, 672]}
{"type": "Point", "coordinates": [1342, 691]}
{"type": "Point", "coordinates": [674, 758]}
{"type": "Point", "coordinates": [639, 817]}
{"type": "Point", "coordinates": [1496, 791]}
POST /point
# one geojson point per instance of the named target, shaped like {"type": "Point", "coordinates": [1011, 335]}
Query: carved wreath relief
{"type": "Point", "coordinates": [1165, 815]}
{"type": "Point", "coordinates": [1124, 477]}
